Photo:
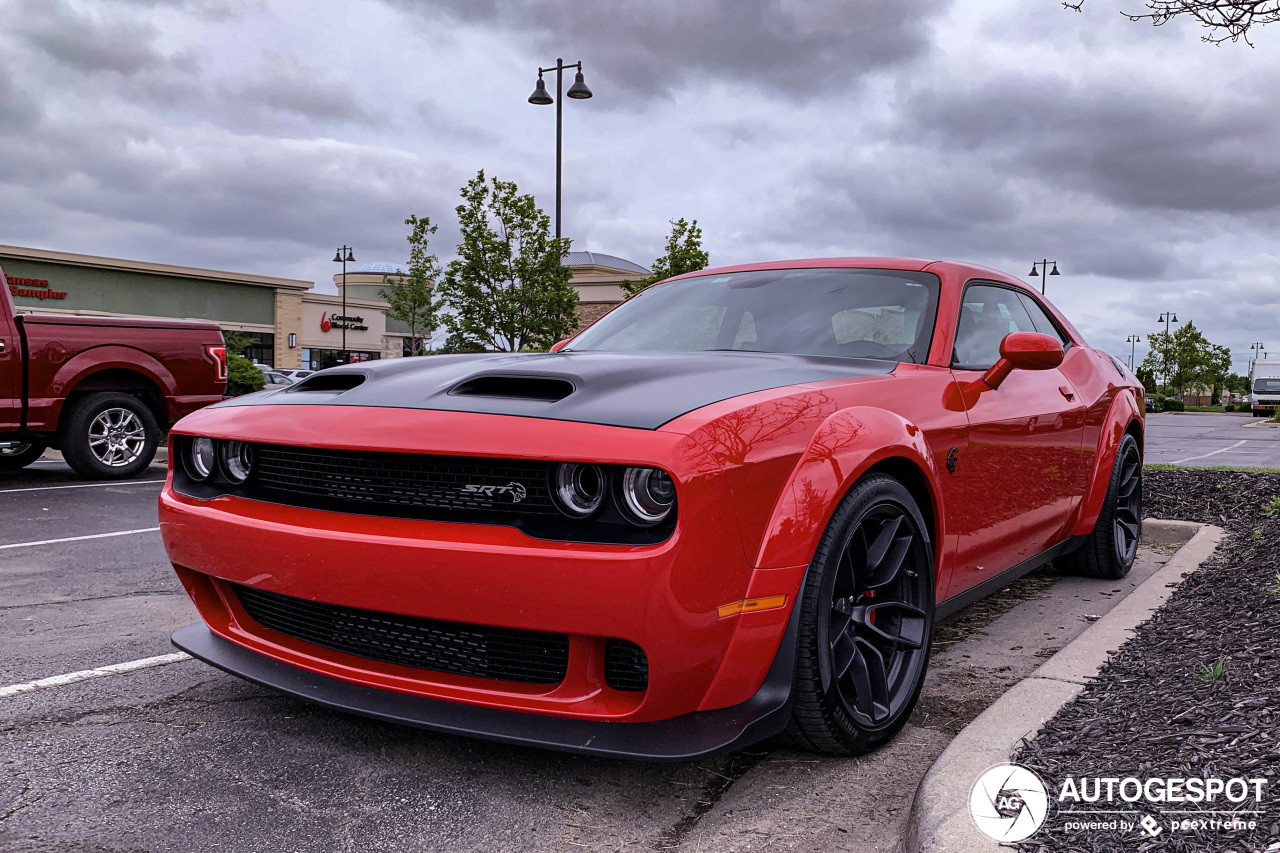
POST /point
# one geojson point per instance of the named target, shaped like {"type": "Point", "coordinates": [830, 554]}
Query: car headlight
{"type": "Point", "coordinates": [237, 461]}
{"type": "Point", "coordinates": [578, 489]}
{"type": "Point", "coordinates": [648, 495]}
{"type": "Point", "coordinates": [201, 458]}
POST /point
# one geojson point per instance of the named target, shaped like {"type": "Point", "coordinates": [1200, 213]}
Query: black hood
{"type": "Point", "coordinates": [643, 390]}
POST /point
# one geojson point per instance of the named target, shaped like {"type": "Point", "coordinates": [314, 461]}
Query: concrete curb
{"type": "Point", "coordinates": [940, 821]}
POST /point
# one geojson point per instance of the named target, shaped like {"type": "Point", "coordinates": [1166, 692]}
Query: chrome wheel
{"type": "Point", "coordinates": [1127, 523]}
{"type": "Point", "coordinates": [876, 622]}
{"type": "Point", "coordinates": [117, 437]}
{"type": "Point", "coordinates": [10, 449]}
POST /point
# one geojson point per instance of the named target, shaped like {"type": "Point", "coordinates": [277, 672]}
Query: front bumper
{"type": "Point", "coordinates": [689, 737]}
{"type": "Point", "coordinates": [663, 597]}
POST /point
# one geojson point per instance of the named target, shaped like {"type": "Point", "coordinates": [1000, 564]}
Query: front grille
{"type": "Point", "coordinates": [506, 654]}
{"type": "Point", "coordinates": [371, 480]}
{"type": "Point", "coordinates": [625, 666]}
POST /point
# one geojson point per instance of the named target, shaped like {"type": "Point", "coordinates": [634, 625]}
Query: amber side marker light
{"type": "Point", "coordinates": [751, 605]}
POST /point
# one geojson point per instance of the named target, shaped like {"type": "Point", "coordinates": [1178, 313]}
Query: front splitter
{"type": "Point", "coordinates": [687, 738]}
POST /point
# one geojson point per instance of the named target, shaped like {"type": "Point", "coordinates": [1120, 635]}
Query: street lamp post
{"type": "Point", "coordinates": [339, 256]}
{"type": "Point", "coordinates": [1044, 274]}
{"type": "Point", "coordinates": [578, 91]}
{"type": "Point", "coordinates": [1166, 317]}
{"type": "Point", "coordinates": [1255, 348]}
{"type": "Point", "coordinates": [1132, 341]}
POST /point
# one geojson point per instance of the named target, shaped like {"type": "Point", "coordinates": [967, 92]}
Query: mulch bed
{"type": "Point", "coordinates": [1155, 710]}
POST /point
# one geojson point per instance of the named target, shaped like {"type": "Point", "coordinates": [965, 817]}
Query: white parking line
{"type": "Point", "coordinates": [1211, 453]}
{"type": "Point", "coordinates": [86, 674]}
{"type": "Point", "coordinates": [79, 538]}
{"type": "Point", "coordinates": [80, 486]}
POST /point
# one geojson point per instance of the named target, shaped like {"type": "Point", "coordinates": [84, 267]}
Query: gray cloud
{"type": "Point", "coordinates": [234, 134]}
{"type": "Point", "coordinates": [286, 85]}
{"type": "Point", "coordinates": [1138, 146]}
{"type": "Point", "coordinates": [85, 42]}
{"type": "Point", "coordinates": [650, 50]}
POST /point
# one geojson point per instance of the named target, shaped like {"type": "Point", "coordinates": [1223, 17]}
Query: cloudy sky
{"type": "Point", "coordinates": [255, 135]}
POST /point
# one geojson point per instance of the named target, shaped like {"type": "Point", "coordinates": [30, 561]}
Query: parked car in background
{"type": "Point", "coordinates": [1264, 382]}
{"type": "Point", "coordinates": [275, 379]}
{"type": "Point", "coordinates": [293, 374]}
{"type": "Point", "coordinates": [100, 389]}
{"type": "Point", "coordinates": [735, 505]}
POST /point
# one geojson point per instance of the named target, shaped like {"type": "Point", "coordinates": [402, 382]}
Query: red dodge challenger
{"type": "Point", "coordinates": [734, 506]}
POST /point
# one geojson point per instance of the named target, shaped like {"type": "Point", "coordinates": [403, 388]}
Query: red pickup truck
{"type": "Point", "coordinates": [100, 389]}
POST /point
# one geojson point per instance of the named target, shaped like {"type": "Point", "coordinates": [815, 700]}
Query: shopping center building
{"type": "Point", "coordinates": [288, 323]}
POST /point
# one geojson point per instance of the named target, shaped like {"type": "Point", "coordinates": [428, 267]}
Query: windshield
{"type": "Point", "coordinates": [853, 313]}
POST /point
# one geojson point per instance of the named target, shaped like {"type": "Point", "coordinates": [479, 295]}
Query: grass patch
{"type": "Point", "coordinates": [1213, 671]}
{"type": "Point", "coordinates": [1162, 466]}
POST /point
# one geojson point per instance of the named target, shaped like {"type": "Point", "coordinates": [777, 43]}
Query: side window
{"type": "Point", "coordinates": [1040, 317]}
{"type": "Point", "coordinates": [987, 315]}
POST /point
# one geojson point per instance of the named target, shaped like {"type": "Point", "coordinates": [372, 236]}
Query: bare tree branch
{"type": "Point", "coordinates": [1226, 20]}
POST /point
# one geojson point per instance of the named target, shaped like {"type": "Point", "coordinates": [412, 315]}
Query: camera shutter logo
{"type": "Point", "coordinates": [1008, 803]}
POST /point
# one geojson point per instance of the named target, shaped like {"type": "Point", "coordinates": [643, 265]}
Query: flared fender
{"type": "Point", "coordinates": [843, 448]}
{"type": "Point", "coordinates": [1124, 411]}
{"type": "Point", "coordinates": [96, 359]}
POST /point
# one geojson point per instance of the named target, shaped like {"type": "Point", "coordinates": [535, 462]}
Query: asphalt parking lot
{"type": "Point", "coordinates": [180, 756]}
{"type": "Point", "coordinates": [1211, 438]}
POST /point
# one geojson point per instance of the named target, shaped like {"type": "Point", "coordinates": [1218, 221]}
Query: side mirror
{"type": "Point", "coordinates": [1024, 351]}
{"type": "Point", "coordinates": [559, 345]}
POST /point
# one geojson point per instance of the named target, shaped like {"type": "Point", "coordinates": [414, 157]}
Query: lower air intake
{"type": "Point", "coordinates": [505, 654]}
{"type": "Point", "coordinates": [625, 666]}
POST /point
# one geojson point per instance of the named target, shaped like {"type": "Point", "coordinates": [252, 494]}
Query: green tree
{"type": "Point", "coordinates": [508, 285]}
{"type": "Point", "coordinates": [1237, 383]}
{"type": "Point", "coordinates": [684, 254]}
{"type": "Point", "coordinates": [1185, 358]}
{"type": "Point", "coordinates": [243, 376]}
{"type": "Point", "coordinates": [1147, 377]}
{"type": "Point", "coordinates": [411, 298]}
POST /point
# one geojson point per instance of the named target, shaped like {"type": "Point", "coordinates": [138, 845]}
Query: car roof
{"type": "Point", "coordinates": [869, 262]}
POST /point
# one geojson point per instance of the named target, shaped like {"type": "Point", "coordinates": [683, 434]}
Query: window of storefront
{"type": "Point", "coordinates": [314, 358]}
{"type": "Point", "coordinates": [261, 348]}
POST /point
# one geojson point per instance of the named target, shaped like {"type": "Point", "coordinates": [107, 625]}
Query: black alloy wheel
{"type": "Point", "coordinates": [1109, 551]}
{"type": "Point", "coordinates": [866, 622]}
{"type": "Point", "coordinates": [1127, 519]}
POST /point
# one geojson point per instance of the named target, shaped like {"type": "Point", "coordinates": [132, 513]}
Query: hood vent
{"type": "Point", "coordinates": [542, 388]}
{"type": "Point", "coordinates": [334, 383]}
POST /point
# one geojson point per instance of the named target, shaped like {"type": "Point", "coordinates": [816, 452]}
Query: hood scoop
{"type": "Point", "coordinates": [334, 383]}
{"type": "Point", "coordinates": [545, 389]}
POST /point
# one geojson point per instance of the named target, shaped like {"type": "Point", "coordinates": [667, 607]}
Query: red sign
{"type": "Point", "coordinates": [36, 288]}
{"type": "Point", "coordinates": [325, 325]}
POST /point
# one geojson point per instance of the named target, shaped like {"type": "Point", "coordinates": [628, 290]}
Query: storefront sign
{"type": "Point", "coordinates": [338, 321]}
{"type": "Point", "coordinates": [36, 288]}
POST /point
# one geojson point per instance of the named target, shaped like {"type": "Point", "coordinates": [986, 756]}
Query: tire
{"type": "Point", "coordinates": [16, 456]}
{"type": "Point", "coordinates": [852, 694]}
{"type": "Point", "coordinates": [1109, 551]}
{"type": "Point", "coordinates": [109, 436]}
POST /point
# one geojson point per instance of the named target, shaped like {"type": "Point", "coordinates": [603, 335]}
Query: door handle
{"type": "Point", "coordinates": [1065, 391]}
